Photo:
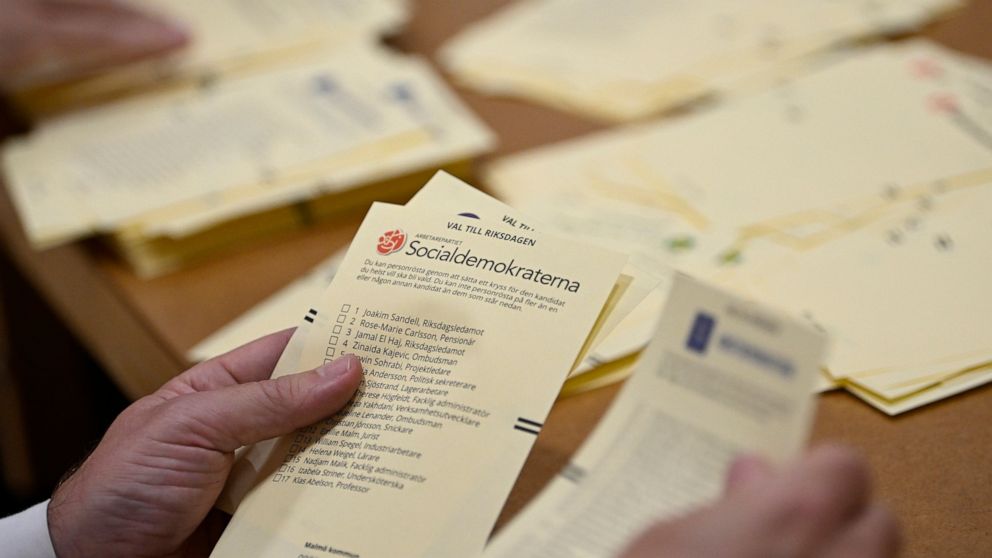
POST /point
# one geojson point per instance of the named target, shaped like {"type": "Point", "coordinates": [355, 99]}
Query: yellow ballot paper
{"type": "Point", "coordinates": [721, 376]}
{"type": "Point", "coordinates": [445, 192]}
{"type": "Point", "coordinates": [466, 333]}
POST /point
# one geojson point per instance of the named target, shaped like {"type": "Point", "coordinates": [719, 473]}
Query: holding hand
{"type": "Point", "coordinates": [45, 41]}
{"type": "Point", "coordinates": [821, 507]}
{"type": "Point", "coordinates": [148, 487]}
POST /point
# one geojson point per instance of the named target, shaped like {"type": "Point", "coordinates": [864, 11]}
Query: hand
{"type": "Point", "coordinates": [45, 41]}
{"type": "Point", "coordinates": [150, 483]}
{"type": "Point", "coordinates": [820, 507]}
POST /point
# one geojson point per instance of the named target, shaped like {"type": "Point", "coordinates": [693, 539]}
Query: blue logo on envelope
{"type": "Point", "coordinates": [699, 335]}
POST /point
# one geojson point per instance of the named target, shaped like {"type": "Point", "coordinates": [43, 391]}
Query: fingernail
{"type": "Point", "coordinates": [339, 367]}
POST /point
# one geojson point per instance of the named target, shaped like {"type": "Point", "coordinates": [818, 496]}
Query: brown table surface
{"type": "Point", "coordinates": [933, 466]}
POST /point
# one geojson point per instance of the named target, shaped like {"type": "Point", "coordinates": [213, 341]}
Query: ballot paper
{"type": "Point", "coordinates": [226, 31]}
{"type": "Point", "coordinates": [452, 133]}
{"type": "Point", "coordinates": [447, 193]}
{"type": "Point", "coordinates": [450, 321]}
{"type": "Point", "coordinates": [866, 162]}
{"type": "Point", "coordinates": [163, 173]}
{"type": "Point", "coordinates": [722, 376]}
{"type": "Point", "coordinates": [907, 293]}
{"type": "Point", "coordinates": [622, 61]}
{"type": "Point", "coordinates": [642, 281]}
{"type": "Point", "coordinates": [116, 163]}
{"type": "Point", "coordinates": [228, 37]}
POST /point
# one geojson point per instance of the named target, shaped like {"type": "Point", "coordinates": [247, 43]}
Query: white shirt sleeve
{"type": "Point", "coordinates": [25, 534]}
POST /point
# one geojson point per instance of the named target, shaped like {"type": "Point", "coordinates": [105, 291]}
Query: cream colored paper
{"type": "Point", "coordinates": [453, 133]}
{"type": "Point", "coordinates": [627, 61]}
{"type": "Point", "coordinates": [228, 38]}
{"type": "Point", "coordinates": [176, 165]}
{"type": "Point", "coordinates": [516, 355]}
{"type": "Point", "coordinates": [636, 305]}
{"type": "Point", "coordinates": [953, 385]}
{"type": "Point", "coordinates": [442, 193]}
{"type": "Point", "coordinates": [722, 376]}
{"type": "Point", "coordinates": [906, 295]}
{"type": "Point", "coordinates": [228, 31]}
{"type": "Point", "coordinates": [833, 145]}
{"type": "Point", "coordinates": [861, 239]}
{"type": "Point", "coordinates": [119, 162]}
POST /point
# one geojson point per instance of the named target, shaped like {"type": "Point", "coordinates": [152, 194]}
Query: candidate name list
{"type": "Point", "coordinates": [411, 384]}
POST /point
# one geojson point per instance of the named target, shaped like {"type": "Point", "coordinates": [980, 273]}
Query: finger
{"type": "Point", "coordinates": [226, 419]}
{"type": "Point", "coordinates": [668, 538]}
{"type": "Point", "coordinates": [820, 494]}
{"type": "Point", "coordinates": [875, 534]}
{"type": "Point", "coordinates": [250, 362]}
{"type": "Point", "coordinates": [745, 471]}
{"type": "Point", "coordinates": [76, 38]}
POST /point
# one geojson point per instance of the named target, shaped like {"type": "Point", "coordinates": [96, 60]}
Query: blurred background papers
{"type": "Point", "coordinates": [627, 60]}
{"type": "Point", "coordinates": [174, 175]}
{"type": "Point", "coordinates": [229, 37]}
{"type": "Point", "coordinates": [858, 196]}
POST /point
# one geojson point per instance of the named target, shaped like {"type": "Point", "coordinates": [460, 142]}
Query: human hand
{"type": "Point", "coordinates": [150, 483]}
{"type": "Point", "coordinates": [820, 507]}
{"type": "Point", "coordinates": [45, 41]}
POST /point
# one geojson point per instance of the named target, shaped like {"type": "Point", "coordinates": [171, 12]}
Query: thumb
{"type": "Point", "coordinates": [247, 413]}
{"type": "Point", "coordinates": [69, 40]}
{"type": "Point", "coordinates": [745, 471]}
{"type": "Point", "coordinates": [115, 29]}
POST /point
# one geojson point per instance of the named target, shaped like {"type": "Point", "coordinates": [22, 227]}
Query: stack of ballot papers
{"type": "Point", "coordinates": [627, 60]}
{"type": "Point", "coordinates": [467, 326]}
{"type": "Point", "coordinates": [281, 310]}
{"type": "Point", "coordinates": [175, 178]}
{"type": "Point", "coordinates": [228, 37]}
{"type": "Point", "coordinates": [858, 196]}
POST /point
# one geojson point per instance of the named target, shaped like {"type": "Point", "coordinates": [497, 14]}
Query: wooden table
{"type": "Point", "coordinates": [933, 466]}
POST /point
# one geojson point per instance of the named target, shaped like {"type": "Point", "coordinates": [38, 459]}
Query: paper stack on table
{"type": "Point", "coordinates": [858, 196]}
{"type": "Point", "coordinates": [180, 176]}
{"type": "Point", "coordinates": [229, 36]}
{"type": "Point", "coordinates": [722, 376]}
{"type": "Point", "coordinates": [628, 60]}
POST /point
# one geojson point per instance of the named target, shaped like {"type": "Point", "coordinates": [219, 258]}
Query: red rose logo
{"type": "Point", "coordinates": [391, 241]}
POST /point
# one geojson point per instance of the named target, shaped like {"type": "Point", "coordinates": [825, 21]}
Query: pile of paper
{"type": "Point", "coordinates": [179, 176]}
{"type": "Point", "coordinates": [452, 308]}
{"type": "Point", "coordinates": [229, 36]}
{"type": "Point", "coordinates": [627, 60]}
{"type": "Point", "coordinates": [858, 196]}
